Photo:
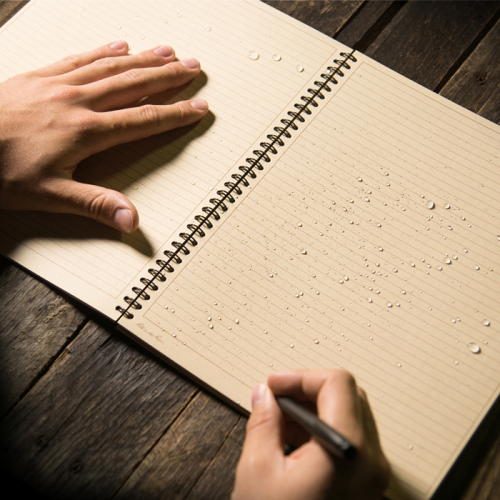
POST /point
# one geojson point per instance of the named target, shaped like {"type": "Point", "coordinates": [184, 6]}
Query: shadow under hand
{"type": "Point", "coordinates": [118, 168]}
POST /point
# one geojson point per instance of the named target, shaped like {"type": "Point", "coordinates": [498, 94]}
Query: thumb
{"type": "Point", "coordinates": [263, 445]}
{"type": "Point", "coordinates": [103, 205]}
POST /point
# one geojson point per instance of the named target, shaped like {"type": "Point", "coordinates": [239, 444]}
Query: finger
{"type": "Point", "coordinates": [111, 66]}
{"type": "Point", "coordinates": [103, 205]}
{"type": "Point", "coordinates": [335, 394]}
{"type": "Point", "coordinates": [121, 90]}
{"type": "Point", "coordinates": [263, 447]}
{"type": "Point", "coordinates": [74, 62]}
{"type": "Point", "coordinates": [126, 125]}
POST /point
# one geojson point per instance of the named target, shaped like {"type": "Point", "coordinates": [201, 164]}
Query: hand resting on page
{"type": "Point", "coordinates": [310, 472]}
{"type": "Point", "coordinates": [53, 118]}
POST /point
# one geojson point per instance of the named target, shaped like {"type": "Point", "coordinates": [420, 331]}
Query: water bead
{"type": "Point", "coordinates": [253, 55]}
{"type": "Point", "coordinates": [276, 57]}
{"type": "Point", "coordinates": [474, 348]}
{"type": "Point", "coordinates": [430, 205]}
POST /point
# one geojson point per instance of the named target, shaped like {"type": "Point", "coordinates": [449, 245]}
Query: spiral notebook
{"type": "Point", "coordinates": [328, 213]}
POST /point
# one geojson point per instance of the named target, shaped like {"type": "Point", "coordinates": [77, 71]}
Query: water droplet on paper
{"type": "Point", "coordinates": [253, 55]}
{"type": "Point", "coordinates": [208, 28]}
{"type": "Point", "coordinates": [360, 179]}
{"type": "Point", "coordinates": [236, 320]}
{"type": "Point", "coordinates": [276, 57]}
{"type": "Point", "coordinates": [474, 348]}
{"type": "Point", "coordinates": [410, 446]}
{"type": "Point", "coordinates": [303, 252]}
{"type": "Point", "coordinates": [486, 322]}
{"type": "Point", "coordinates": [210, 325]}
{"type": "Point", "coordinates": [389, 305]}
{"type": "Point", "coordinates": [399, 365]}
{"type": "Point", "coordinates": [299, 224]}
{"type": "Point", "coordinates": [447, 260]}
{"type": "Point", "coordinates": [300, 68]}
{"type": "Point", "coordinates": [476, 268]}
{"type": "Point", "coordinates": [370, 300]}
{"type": "Point", "coordinates": [430, 205]}
{"type": "Point", "coordinates": [316, 341]}
{"type": "Point", "coordinates": [447, 206]}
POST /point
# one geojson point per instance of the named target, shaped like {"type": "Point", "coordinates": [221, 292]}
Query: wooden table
{"type": "Point", "coordinates": [86, 413]}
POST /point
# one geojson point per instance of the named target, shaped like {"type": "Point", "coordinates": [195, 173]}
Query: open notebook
{"type": "Point", "coordinates": [328, 213]}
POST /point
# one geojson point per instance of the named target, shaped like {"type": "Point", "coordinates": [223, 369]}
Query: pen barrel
{"type": "Point", "coordinates": [329, 438]}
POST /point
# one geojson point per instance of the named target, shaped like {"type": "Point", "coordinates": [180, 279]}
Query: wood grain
{"type": "Point", "coordinates": [182, 455]}
{"type": "Point", "coordinates": [325, 16]}
{"type": "Point", "coordinates": [36, 323]}
{"type": "Point", "coordinates": [425, 39]}
{"type": "Point", "coordinates": [217, 481]}
{"type": "Point", "coordinates": [476, 85]}
{"type": "Point", "coordinates": [8, 8]}
{"type": "Point", "coordinates": [367, 23]}
{"type": "Point", "coordinates": [90, 421]}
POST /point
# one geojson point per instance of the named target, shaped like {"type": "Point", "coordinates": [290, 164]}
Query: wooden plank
{"type": "Point", "coordinates": [218, 480]}
{"type": "Point", "coordinates": [184, 452]}
{"type": "Point", "coordinates": [367, 23]}
{"type": "Point", "coordinates": [89, 422]}
{"type": "Point", "coordinates": [8, 8]}
{"type": "Point", "coordinates": [325, 16]}
{"type": "Point", "coordinates": [425, 39]}
{"type": "Point", "coordinates": [476, 85]}
{"type": "Point", "coordinates": [36, 324]}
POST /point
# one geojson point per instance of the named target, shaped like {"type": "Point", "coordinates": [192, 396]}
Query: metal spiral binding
{"type": "Point", "coordinates": [219, 204]}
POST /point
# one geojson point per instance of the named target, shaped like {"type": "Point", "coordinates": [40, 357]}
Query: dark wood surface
{"type": "Point", "coordinates": [86, 413]}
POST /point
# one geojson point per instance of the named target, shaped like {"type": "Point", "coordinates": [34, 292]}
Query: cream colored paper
{"type": "Point", "coordinates": [165, 176]}
{"type": "Point", "coordinates": [330, 258]}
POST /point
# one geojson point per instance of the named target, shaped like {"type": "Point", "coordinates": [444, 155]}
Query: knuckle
{"type": "Point", "coordinates": [174, 71]}
{"type": "Point", "coordinates": [96, 53]}
{"type": "Point", "coordinates": [143, 59]}
{"type": "Point", "coordinates": [72, 61]}
{"type": "Point", "coordinates": [133, 75]}
{"type": "Point", "coordinates": [149, 115]}
{"type": "Point", "coordinates": [258, 420]}
{"type": "Point", "coordinates": [180, 115]}
{"type": "Point", "coordinates": [84, 126]}
{"type": "Point", "coordinates": [108, 65]}
{"type": "Point", "coordinates": [95, 206]}
{"type": "Point", "coordinates": [345, 378]}
{"type": "Point", "coordinates": [64, 93]}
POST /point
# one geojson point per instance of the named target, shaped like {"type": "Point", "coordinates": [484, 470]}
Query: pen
{"type": "Point", "coordinates": [334, 442]}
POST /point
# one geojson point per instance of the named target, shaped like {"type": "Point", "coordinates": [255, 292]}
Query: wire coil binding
{"type": "Point", "coordinates": [226, 195]}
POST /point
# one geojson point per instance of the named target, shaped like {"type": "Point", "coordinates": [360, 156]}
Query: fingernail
{"type": "Point", "coordinates": [191, 63]}
{"type": "Point", "coordinates": [123, 219]}
{"type": "Point", "coordinates": [258, 394]}
{"type": "Point", "coordinates": [164, 51]}
{"type": "Point", "coordinates": [200, 104]}
{"type": "Point", "coordinates": [118, 45]}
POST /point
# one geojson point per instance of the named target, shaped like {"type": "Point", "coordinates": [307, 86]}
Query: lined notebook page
{"type": "Point", "coordinates": [168, 175]}
{"type": "Point", "coordinates": [371, 244]}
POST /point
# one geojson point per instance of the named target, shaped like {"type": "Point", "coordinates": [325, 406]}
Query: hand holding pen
{"type": "Point", "coordinates": [311, 471]}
